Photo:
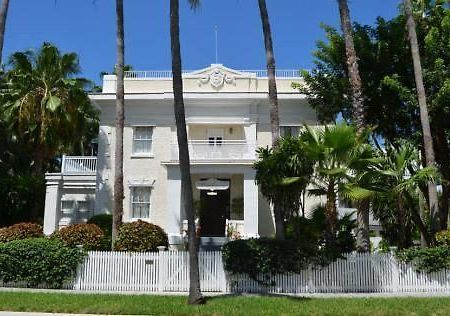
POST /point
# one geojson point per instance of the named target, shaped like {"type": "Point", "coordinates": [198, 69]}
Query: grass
{"type": "Point", "coordinates": [221, 305]}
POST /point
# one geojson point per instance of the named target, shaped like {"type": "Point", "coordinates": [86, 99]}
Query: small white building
{"type": "Point", "coordinates": [227, 115]}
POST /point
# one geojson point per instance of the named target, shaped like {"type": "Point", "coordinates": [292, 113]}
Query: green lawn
{"type": "Point", "coordinates": [223, 305]}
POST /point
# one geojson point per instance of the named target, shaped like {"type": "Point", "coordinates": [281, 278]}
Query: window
{"type": "Point", "coordinates": [142, 140]}
{"type": "Point", "coordinates": [68, 206]}
{"type": "Point", "coordinates": [289, 131]}
{"type": "Point", "coordinates": [140, 202]}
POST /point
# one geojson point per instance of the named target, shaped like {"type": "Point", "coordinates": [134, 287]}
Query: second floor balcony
{"type": "Point", "coordinates": [217, 151]}
{"type": "Point", "coordinates": [79, 165]}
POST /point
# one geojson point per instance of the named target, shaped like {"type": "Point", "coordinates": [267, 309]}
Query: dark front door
{"type": "Point", "coordinates": [213, 212]}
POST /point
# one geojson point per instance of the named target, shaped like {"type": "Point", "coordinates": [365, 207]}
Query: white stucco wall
{"type": "Point", "coordinates": [233, 107]}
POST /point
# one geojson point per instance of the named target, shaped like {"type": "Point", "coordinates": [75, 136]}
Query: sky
{"type": "Point", "coordinates": [88, 28]}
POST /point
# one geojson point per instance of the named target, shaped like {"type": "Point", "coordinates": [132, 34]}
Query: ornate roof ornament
{"type": "Point", "coordinates": [217, 78]}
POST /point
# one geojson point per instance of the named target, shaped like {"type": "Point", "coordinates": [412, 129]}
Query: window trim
{"type": "Point", "coordinates": [146, 154]}
{"type": "Point", "coordinates": [290, 126]}
{"type": "Point", "coordinates": [132, 188]}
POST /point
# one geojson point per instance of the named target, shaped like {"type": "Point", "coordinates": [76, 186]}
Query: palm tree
{"type": "Point", "coordinates": [400, 178]}
{"type": "Point", "coordinates": [342, 164]}
{"type": "Point", "coordinates": [362, 236]}
{"type": "Point", "coordinates": [283, 174]}
{"type": "Point", "coordinates": [3, 15]}
{"type": "Point", "coordinates": [120, 120]}
{"type": "Point", "coordinates": [45, 106]}
{"type": "Point", "coordinates": [270, 60]}
{"type": "Point", "coordinates": [195, 295]}
{"type": "Point", "coordinates": [424, 118]}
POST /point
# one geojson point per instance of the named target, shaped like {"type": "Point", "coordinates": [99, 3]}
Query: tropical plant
{"type": "Point", "coordinates": [141, 236]}
{"type": "Point", "coordinates": [3, 14]}
{"type": "Point", "coordinates": [358, 115]}
{"type": "Point", "coordinates": [120, 121]}
{"type": "Point", "coordinates": [195, 295]}
{"type": "Point", "coordinates": [396, 203]}
{"type": "Point", "coordinates": [282, 174]}
{"type": "Point", "coordinates": [44, 107]}
{"type": "Point", "coordinates": [385, 65]}
{"type": "Point", "coordinates": [38, 261]}
{"type": "Point", "coordinates": [272, 82]}
{"type": "Point", "coordinates": [343, 167]}
{"type": "Point", "coordinates": [20, 231]}
{"type": "Point", "coordinates": [89, 236]}
{"type": "Point", "coordinates": [424, 118]}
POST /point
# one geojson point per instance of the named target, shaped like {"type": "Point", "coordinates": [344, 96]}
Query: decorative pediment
{"type": "Point", "coordinates": [217, 76]}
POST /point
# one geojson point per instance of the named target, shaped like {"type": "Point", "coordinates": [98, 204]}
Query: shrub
{"type": "Point", "coordinates": [104, 221]}
{"type": "Point", "coordinates": [20, 231]}
{"type": "Point", "coordinates": [38, 261]}
{"type": "Point", "coordinates": [90, 236]}
{"type": "Point", "coordinates": [140, 236]}
{"type": "Point", "coordinates": [443, 238]}
{"type": "Point", "coordinates": [260, 258]}
{"type": "Point", "coordinates": [426, 259]}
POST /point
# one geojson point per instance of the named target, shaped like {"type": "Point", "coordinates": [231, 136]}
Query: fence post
{"type": "Point", "coordinates": [162, 263]}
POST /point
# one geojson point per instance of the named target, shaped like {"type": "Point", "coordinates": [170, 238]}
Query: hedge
{"type": "Point", "coordinates": [89, 236]}
{"type": "Point", "coordinates": [20, 231]}
{"type": "Point", "coordinates": [140, 236]}
{"type": "Point", "coordinates": [38, 261]}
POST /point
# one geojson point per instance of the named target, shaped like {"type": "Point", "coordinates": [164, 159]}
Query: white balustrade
{"type": "Point", "coordinates": [167, 74]}
{"type": "Point", "coordinates": [79, 165]}
{"type": "Point", "coordinates": [205, 150]}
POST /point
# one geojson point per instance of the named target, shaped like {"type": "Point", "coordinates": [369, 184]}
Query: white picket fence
{"type": "Point", "coordinates": [169, 272]}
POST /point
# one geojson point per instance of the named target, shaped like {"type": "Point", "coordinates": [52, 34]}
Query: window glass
{"type": "Point", "coordinates": [142, 140]}
{"type": "Point", "coordinates": [140, 202]}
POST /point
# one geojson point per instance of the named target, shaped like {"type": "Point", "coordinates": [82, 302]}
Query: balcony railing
{"type": "Point", "coordinates": [167, 74]}
{"type": "Point", "coordinates": [225, 150]}
{"type": "Point", "coordinates": [79, 165]}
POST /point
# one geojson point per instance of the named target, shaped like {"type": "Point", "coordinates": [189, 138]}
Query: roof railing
{"type": "Point", "coordinates": [167, 74]}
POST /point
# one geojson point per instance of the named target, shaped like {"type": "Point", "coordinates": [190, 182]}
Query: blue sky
{"type": "Point", "coordinates": [88, 28]}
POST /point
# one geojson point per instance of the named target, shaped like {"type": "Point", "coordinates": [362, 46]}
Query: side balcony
{"type": "Point", "coordinates": [237, 151]}
{"type": "Point", "coordinates": [82, 165]}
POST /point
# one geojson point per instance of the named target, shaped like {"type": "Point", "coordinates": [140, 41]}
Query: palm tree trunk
{"type": "Point", "coordinates": [424, 118]}
{"type": "Point", "coordinates": [279, 222]}
{"type": "Point", "coordinates": [331, 215]}
{"type": "Point", "coordinates": [3, 15]}
{"type": "Point", "coordinates": [270, 59]}
{"type": "Point", "coordinates": [195, 295]}
{"type": "Point", "coordinates": [120, 120]}
{"type": "Point", "coordinates": [362, 237]}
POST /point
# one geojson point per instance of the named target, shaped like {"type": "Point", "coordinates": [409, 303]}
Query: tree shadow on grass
{"type": "Point", "coordinates": [298, 298]}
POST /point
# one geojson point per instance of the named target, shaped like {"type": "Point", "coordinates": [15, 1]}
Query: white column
{"type": "Point", "coordinates": [250, 133]}
{"type": "Point", "coordinates": [174, 222]}
{"type": "Point", "coordinates": [52, 202]}
{"type": "Point", "coordinates": [250, 204]}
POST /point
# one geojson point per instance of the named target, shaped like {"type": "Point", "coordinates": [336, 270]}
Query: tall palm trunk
{"type": "Point", "coordinates": [424, 118]}
{"type": "Point", "coordinates": [120, 119]}
{"type": "Point", "coordinates": [3, 15]}
{"type": "Point", "coordinates": [362, 236]}
{"type": "Point", "coordinates": [195, 295]}
{"type": "Point", "coordinates": [273, 99]}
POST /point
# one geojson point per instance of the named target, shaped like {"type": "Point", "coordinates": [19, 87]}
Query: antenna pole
{"type": "Point", "coordinates": [217, 51]}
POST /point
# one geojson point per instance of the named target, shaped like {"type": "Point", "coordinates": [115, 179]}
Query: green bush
{"type": "Point", "coordinates": [38, 261]}
{"type": "Point", "coordinates": [140, 236]}
{"type": "Point", "coordinates": [426, 259]}
{"type": "Point", "coordinates": [20, 231]}
{"type": "Point", "coordinates": [260, 258]}
{"type": "Point", "coordinates": [104, 221]}
{"type": "Point", "coordinates": [443, 238]}
{"type": "Point", "coordinates": [89, 236]}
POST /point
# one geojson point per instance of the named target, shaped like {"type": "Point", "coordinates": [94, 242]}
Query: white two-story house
{"type": "Point", "coordinates": [227, 116]}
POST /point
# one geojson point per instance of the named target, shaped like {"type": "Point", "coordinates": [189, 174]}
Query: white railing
{"type": "Point", "coordinates": [168, 271]}
{"type": "Point", "coordinates": [203, 150]}
{"type": "Point", "coordinates": [167, 74]}
{"type": "Point", "coordinates": [79, 165]}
